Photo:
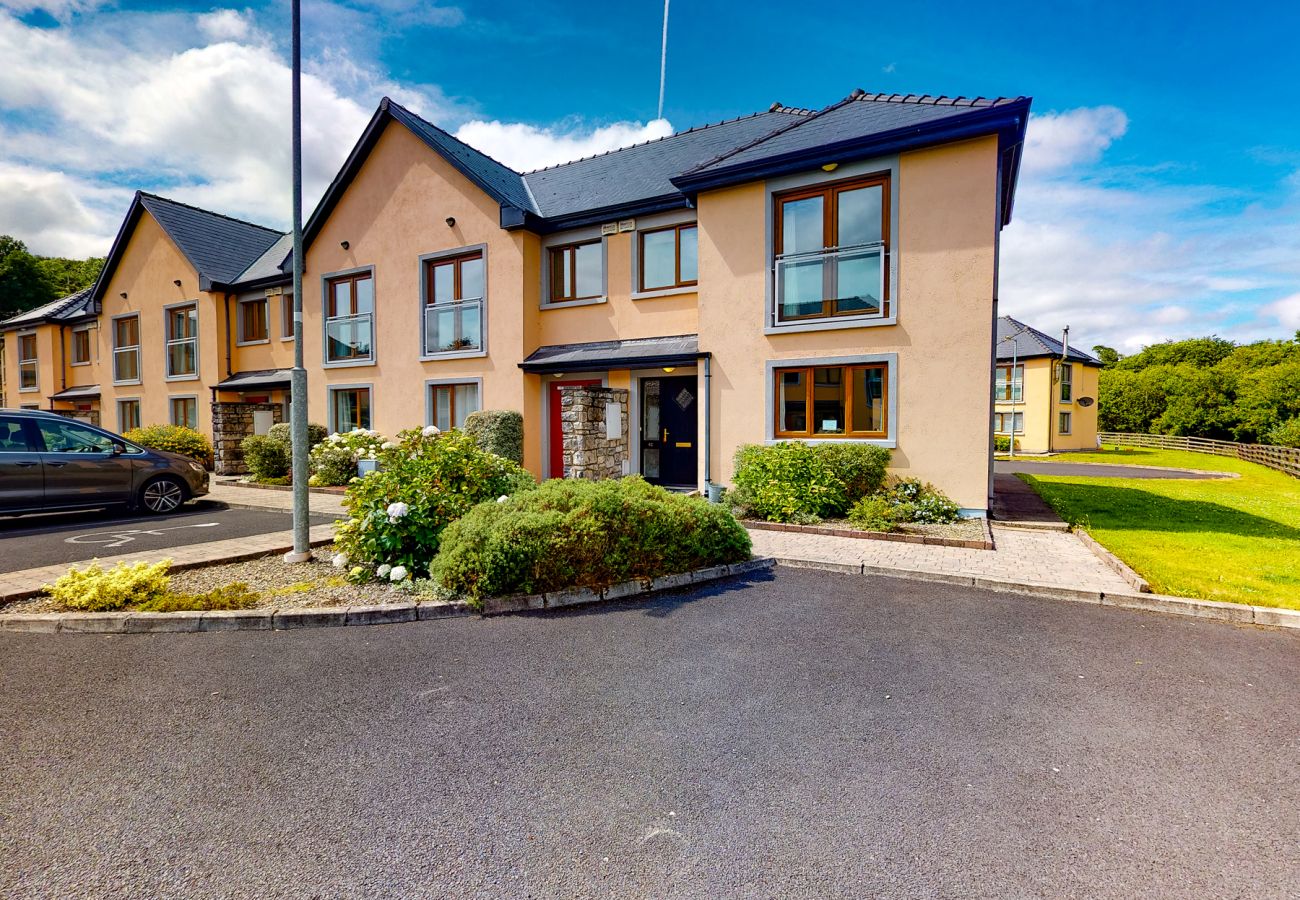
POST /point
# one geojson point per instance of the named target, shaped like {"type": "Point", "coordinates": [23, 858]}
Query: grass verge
{"type": "Point", "coordinates": [1232, 539]}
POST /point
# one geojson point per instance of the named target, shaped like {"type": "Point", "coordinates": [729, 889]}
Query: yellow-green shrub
{"type": "Point", "coordinates": [174, 439]}
{"type": "Point", "coordinates": [230, 596]}
{"type": "Point", "coordinates": [95, 590]}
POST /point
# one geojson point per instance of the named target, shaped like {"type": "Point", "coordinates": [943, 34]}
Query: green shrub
{"type": "Point", "coordinates": [575, 533]}
{"type": "Point", "coordinates": [266, 457]}
{"type": "Point", "coordinates": [231, 596]}
{"type": "Point", "coordinates": [94, 590]}
{"type": "Point", "coordinates": [787, 482]}
{"type": "Point", "coordinates": [173, 439]}
{"type": "Point", "coordinates": [281, 432]}
{"type": "Point", "coordinates": [334, 460]}
{"type": "Point", "coordinates": [1285, 435]}
{"type": "Point", "coordinates": [874, 513]}
{"type": "Point", "coordinates": [924, 504]}
{"type": "Point", "coordinates": [499, 431]}
{"type": "Point", "coordinates": [862, 467]}
{"type": "Point", "coordinates": [425, 481]}
{"type": "Point", "coordinates": [1001, 443]}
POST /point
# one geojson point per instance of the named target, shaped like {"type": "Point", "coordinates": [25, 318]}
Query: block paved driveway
{"type": "Point", "coordinates": [801, 735]}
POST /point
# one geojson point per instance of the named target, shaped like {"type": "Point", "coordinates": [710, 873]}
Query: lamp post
{"type": "Point", "coordinates": [298, 382]}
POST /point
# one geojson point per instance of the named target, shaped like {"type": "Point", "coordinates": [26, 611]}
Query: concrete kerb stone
{"type": "Point", "coordinates": [1114, 563]}
{"type": "Point", "coordinates": [237, 620]}
{"type": "Point", "coordinates": [311, 617]}
{"type": "Point", "coordinates": [36, 623]}
{"type": "Point", "coordinates": [1183, 606]}
{"type": "Point", "coordinates": [380, 614]}
{"type": "Point", "coordinates": [1276, 618]}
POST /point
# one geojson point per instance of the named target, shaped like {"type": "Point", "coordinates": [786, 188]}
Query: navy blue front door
{"type": "Point", "coordinates": [669, 430]}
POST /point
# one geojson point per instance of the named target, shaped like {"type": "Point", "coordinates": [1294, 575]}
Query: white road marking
{"type": "Point", "coordinates": [118, 538]}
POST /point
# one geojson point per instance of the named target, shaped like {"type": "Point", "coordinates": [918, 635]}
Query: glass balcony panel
{"type": "Point", "coordinates": [348, 338]}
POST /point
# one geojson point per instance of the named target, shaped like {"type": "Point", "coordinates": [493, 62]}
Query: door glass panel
{"type": "Point", "coordinates": [828, 401]}
{"type": "Point", "coordinates": [589, 278]}
{"type": "Point", "coordinates": [659, 258]}
{"type": "Point", "coordinates": [801, 225]}
{"type": "Point", "coordinates": [690, 250]}
{"type": "Point", "coordinates": [365, 295]}
{"type": "Point", "coordinates": [650, 410]}
{"type": "Point", "coordinates": [793, 402]}
{"type": "Point", "coordinates": [868, 400]}
{"type": "Point", "coordinates": [859, 216]}
{"type": "Point", "coordinates": [471, 279]}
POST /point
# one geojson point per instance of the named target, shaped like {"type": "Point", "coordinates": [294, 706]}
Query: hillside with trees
{"type": "Point", "coordinates": [27, 280]}
{"type": "Point", "coordinates": [1204, 387]}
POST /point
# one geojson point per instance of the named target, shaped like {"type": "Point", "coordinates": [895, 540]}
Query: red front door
{"type": "Point", "coordinates": [556, 469]}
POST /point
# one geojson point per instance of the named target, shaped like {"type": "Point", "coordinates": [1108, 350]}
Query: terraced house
{"type": "Point", "coordinates": [821, 275]}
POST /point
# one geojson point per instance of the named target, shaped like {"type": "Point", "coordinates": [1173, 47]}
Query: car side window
{"type": "Point", "coordinates": [13, 436]}
{"type": "Point", "coordinates": [68, 437]}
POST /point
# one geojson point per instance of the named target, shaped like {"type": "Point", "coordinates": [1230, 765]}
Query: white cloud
{"type": "Point", "coordinates": [527, 147]}
{"type": "Point", "coordinates": [1056, 140]}
{"type": "Point", "coordinates": [62, 10]}
{"type": "Point", "coordinates": [1286, 312]}
{"type": "Point", "coordinates": [226, 24]}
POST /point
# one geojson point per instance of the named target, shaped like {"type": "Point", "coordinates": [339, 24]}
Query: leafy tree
{"type": "Point", "coordinates": [1199, 352]}
{"type": "Point", "coordinates": [67, 276]}
{"type": "Point", "coordinates": [22, 284]}
{"type": "Point", "coordinates": [1108, 355]}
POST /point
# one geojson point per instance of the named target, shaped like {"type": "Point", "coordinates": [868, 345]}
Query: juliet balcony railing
{"type": "Point", "coordinates": [349, 338]}
{"type": "Point", "coordinates": [836, 282]}
{"type": "Point", "coordinates": [453, 327]}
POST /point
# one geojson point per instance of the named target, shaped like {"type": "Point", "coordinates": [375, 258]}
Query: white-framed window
{"type": "Point", "coordinates": [254, 321]}
{"type": "Point", "coordinates": [128, 415]}
{"type": "Point", "coordinates": [28, 365]}
{"type": "Point", "coordinates": [181, 334]}
{"type": "Point", "coordinates": [1005, 422]}
{"type": "Point", "coordinates": [454, 291]}
{"type": "Point", "coordinates": [349, 408]}
{"type": "Point", "coordinates": [1009, 387]}
{"type": "Point", "coordinates": [82, 346]}
{"type": "Point", "coordinates": [450, 402]}
{"type": "Point", "coordinates": [1067, 384]}
{"type": "Point", "coordinates": [184, 411]}
{"type": "Point", "coordinates": [1064, 423]}
{"type": "Point", "coordinates": [350, 319]}
{"type": "Point", "coordinates": [126, 349]}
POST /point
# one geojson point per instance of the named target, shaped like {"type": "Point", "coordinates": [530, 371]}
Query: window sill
{"type": "Point", "coordinates": [566, 304]}
{"type": "Point", "coordinates": [830, 324]}
{"type": "Point", "coordinates": [285, 340]}
{"type": "Point", "coordinates": [30, 390]}
{"type": "Point", "coordinates": [169, 378]}
{"type": "Point", "coordinates": [76, 364]}
{"type": "Point", "coordinates": [454, 354]}
{"type": "Point", "coordinates": [666, 292]}
{"type": "Point", "coordinates": [877, 442]}
{"type": "Point", "coordinates": [252, 343]}
{"type": "Point", "coordinates": [128, 383]}
{"type": "Point", "coordinates": [348, 363]}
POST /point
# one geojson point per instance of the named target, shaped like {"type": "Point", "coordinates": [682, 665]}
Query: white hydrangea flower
{"type": "Point", "coordinates": [335, 438]}
{"type": "Point", "coordinates": [398, 573]}
{"type": "Point", "coordinates": [384, 570]}
{"type": "Point", "coordinates": [387, 445]}
{"type": "Point", "coordinates": [431, 430]}
{"type": "Point", "coordinates": [340, 560]}
{"type": "Point", "coordinates": [397, 510]}
{"type": "Point", "coordinates": [502, 499]}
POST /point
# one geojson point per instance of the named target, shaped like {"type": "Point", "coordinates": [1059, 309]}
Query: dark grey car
{"type": "Point", "coordinates": [49, 462]}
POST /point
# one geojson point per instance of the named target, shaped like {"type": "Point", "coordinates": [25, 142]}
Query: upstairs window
{"type": "Point", "coordinates": [349, 318]}
{"type": "Point", "coordinates": [126, 349]}
{"type": "Point", "coordinates": [286, 317]}
{"type": "Point", "coordinates": [253, 325]}
{"type": "Point", "coordinates": [832, 401]}
{"type": "Point", "coordinates": [28, 378]}
{"type": "Point", "coordinates": [577, 272]}
{"type": "Point", "coordinates": [832, 249]}
{"type": "Point", "coordinates": [182, 341]}
{"type": "Point", "coordinates": [669, 258]}
{"type": "Point", "coordinates": [1067, 384]}
{"type": "Point", "coordinates": [81, 346]}
{"type": "Point", "coordinates": [453, 307]}
{"type": "Point", "coordinates": [1009, 387]}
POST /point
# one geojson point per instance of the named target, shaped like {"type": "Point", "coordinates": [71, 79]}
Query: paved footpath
{"type": "Point", "coordinates": [1049, 558]}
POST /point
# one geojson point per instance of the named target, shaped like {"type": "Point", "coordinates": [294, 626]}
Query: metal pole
{"type": "Point", "coordinates": [1015, 356]}
{"type": "Point", "coordinates": [663, 61]}
{"type": "Point", "coordinates": [298, 383]}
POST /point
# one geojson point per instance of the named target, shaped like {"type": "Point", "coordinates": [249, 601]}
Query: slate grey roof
{"type": "Point", "coordinates": [1018, 340]}
{"type": "Point", "coordinates": [66, 309]}
{"type": "Point", "coordinates": [270, 263]}
{"type": "Point", "coordinates": [681, 349]}
{"type": "Point", "coordinates": [218, 247]}
{"type": "Point", "coordinates": [80, 392]}
{"type": "Point", "coordinates": [258, 378]}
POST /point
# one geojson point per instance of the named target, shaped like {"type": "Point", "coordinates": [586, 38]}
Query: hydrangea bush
{"type": "Point", "coordinates": [425, 481]}
{"type": "Point", "coordinates": [334, 460]}
{"type": "Point", "coordinates": [906, 501]}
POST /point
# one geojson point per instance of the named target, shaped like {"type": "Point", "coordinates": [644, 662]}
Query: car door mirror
{"type": "Point", "coordinates": [118, 448]}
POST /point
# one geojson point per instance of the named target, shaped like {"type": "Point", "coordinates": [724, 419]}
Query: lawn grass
{"type": "Point", "coordinates": [1232, 539]}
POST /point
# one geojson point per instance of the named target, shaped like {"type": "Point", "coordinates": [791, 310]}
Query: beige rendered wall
{"type": "Point", "coordinates": [1042, 406]}
{"type": "Point", "coordinates": [147, 271]}
{"type": "Point", "coordinates": [947, 222]}
{"type": "Point", "coordinates": [1083, 420]}
{"type": "Point", "coordinates": [1037, 390]}
{"type": "Point", "coordinates": [48, 373]}
{"type": "Point", "coordinates": [394, 212]}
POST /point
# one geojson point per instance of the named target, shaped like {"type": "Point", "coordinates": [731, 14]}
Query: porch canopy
{"type": "Point", "coordinates": [261, 379]}
{"type": "Point", "coordinates": [641, 353]}
{"type": "Point", "coordinates": [80, 392]}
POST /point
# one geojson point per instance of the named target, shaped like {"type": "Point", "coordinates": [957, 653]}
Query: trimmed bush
{"type": "Point", "coordinates": [574, 533]}
{"type": "Point", "coordinates": [94, 590]}
{"type": "Point", "coordinates": [874, 513]}
{"type": "Point", "coordinates": [281, 432]}
{"type": "Point", "coordinates": [425, 481]}
{"type": "Point", "coordinates": [266, 457]}
{"type": "Point", "coordinates": [499, 431]}
{"type": "Point", "coordinates": [787, 482]}
{"type": "Point", "coordinates": [862, 467]}
{"type": "Point", "coordinates": [1002, 443]}
{"type": "Point", "coordinates": [174, 439]}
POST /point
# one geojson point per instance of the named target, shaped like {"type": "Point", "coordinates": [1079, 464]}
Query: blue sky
{"type": "Point", "coordinates": [1160, 198]}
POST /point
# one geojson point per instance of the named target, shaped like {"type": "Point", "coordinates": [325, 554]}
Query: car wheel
{"type": "Point", "coordinates": [162, 495]}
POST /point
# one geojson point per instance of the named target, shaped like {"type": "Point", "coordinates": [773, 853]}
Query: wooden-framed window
{"type": "Point", "coordinates": [81, 346]}
{"type": "Point", "coordinates": [286, 317]}
{"type": "Point", "coordinates": [831, 247]}
{"type": "Point", "coordinates": [1067, 383]}
{"type": "Point", "coordinates": [832, 401]}
{"type": "Point", "coordinates": [184, 411]}
{"type": "Point", "coordinates": [349, 318]}
{"type": "Point", "coordinates": [128, 415]}
{"type": "Point", "coordinates": [454, 290]}
{"type": "Point", "coordinates": [668, 257]}
{"type": "Point", "coordinates": [349, 409]}
{"type": "Point", "coordinates": [449, 404]}
{"type": "Point", "coordinates": [126, 349]}
{"type": "Point", "coordinates": [254, 324]}
{"type": "Point", "coordinates": [1008, 388]}
{"type": "Point", "coordinates": [182, 340]}
{"type": "Point", "coordinates": [1005, 422]}
{"type": "Point", "coordinates": [28, 374]}
{"type": "Point", "coordinates": [577, 271]}
{"type": "Point", "coordinates": [1064, 423]}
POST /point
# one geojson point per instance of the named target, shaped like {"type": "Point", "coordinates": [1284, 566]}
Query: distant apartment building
{"type": "Point", "coordinates": [1044, 394]}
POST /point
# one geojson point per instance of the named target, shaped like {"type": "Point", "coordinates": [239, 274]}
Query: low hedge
{"type": "Point", "coordinates": [499, 431]}
{"type": "Point", "coordinates": [572, 533]}
{"type": "Point", "coordinates": [282, 432]}
{"type": "Point", "coordinates": [174, 439]}
{"type": "Point", "coordinates": [266, 457]}
{"type": "Point", "coordinates": [793, 481]}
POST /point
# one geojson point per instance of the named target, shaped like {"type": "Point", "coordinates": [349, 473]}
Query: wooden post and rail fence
{"type": "Point", "coordinates": [1284, 459]}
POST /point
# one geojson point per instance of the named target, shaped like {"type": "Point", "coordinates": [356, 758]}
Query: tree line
{"type": "Point", "coordinates": [27, 280]}
{"type": "Point", "coordinates": [1204, 387]}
